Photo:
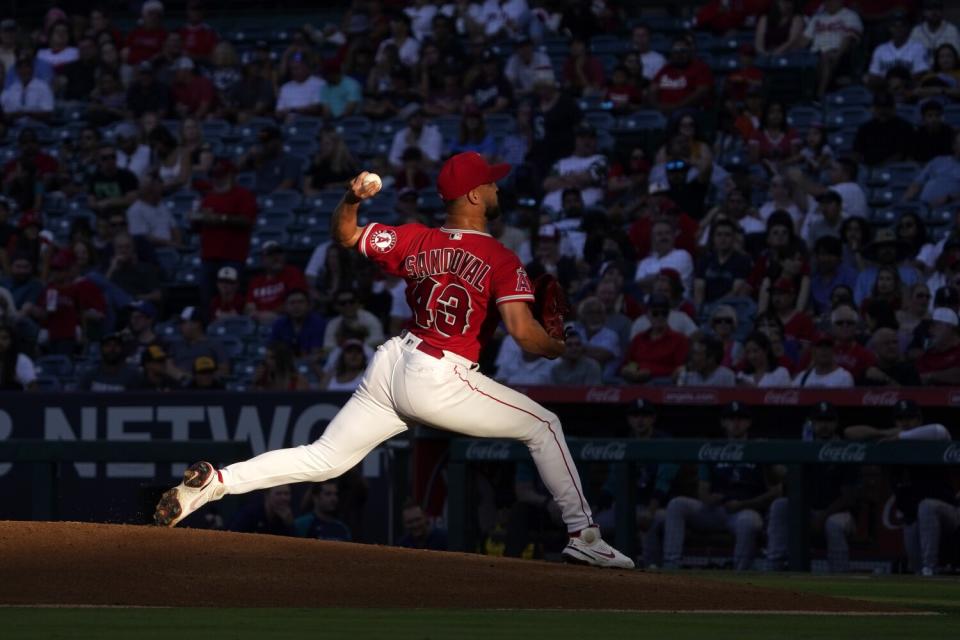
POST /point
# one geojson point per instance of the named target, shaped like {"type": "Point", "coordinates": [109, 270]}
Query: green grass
{"type": "Point", "coordinates": [939, 595]}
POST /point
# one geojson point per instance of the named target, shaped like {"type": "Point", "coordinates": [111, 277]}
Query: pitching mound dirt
{"type": "Point", "coordinates": [66, 563]}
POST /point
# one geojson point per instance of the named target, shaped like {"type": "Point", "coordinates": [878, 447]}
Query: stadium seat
{"type": "Point", "coordinates": [246, 179]}
{"type": "Point", "coordinates": [846, 117]}
{"type": "Point", "coordinates": [951, 114]}
{"type": "Point", "coordinates": [56, 365]}
{"type": "Point", "coordinates": [187, 275]}
{"type": "Point", "coordinates": [842, 141]}
{"type": "Point", "coordinates": [275, 219]}
{"type": "Point", "coordinates": [917, 208]}
{"type": "Point", "coordinates": [449, 127]}
{"type": "Point", "coordinates": [720, 63]}
{"type": "Point", "coordinates": [183, 201]}
{"type": "Point", "coordinates": [500, 123]}
{"type": "Point", "coordinates": [300, 147]}
{"type": "Point", "coordinates": [600, 120]}
{"type": "Point", "coordinates": [936, 234]}
{"type": "Point", "coordinates": [217, 128]}
{"type": "Point", "coordinates": [49, 384]}
{"type": "Point", "coordinates": [261, 236]}
{"type": "Point", "coordinates": [303, 126]}
{"type": "Point", "coordinates": [804, 117]}
{"type": "Point", "coordinates": [248, 130]}
{"type": "Point", "coordinates": [284, 199]}
{"type": "Point", "coordinates": [883, 217]}
{"type": "Point", "coordinates": [939, 217]}
{"type": "Point", "coordinates": [857, 95]}
{"type": "Point", "coordinates": [644, 120]}
{"type": "Point", "coordinates": [608, 45]}
{"type": "Point", "coordinates": [168, 258]}
{"type": "Point", "coordinates": [236, 326]}
{"type": "Point", "coordinates": [354, 125]}
{"type": "Point", "coordinates": [594, 103]}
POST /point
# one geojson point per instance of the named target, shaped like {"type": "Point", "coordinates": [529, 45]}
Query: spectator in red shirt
{"type": "Point", "coordinates": [624, 95]}
{"type": "Point", "coordinates": [658, 352]}
{"type": "Point", "coordinates": [69, 307]}
{"type": "Point", "coordinates": [940, 363]}
{"type": "Point", "coordinates": [225, 220]}
{"type": "Point", "coordinates": [193, 94]}
{"type": "Point", "coordinates": [745, 77]}
{"type": "Point", "coordinates": [797, 324]}
{"type": "Point", "coordinates": [199, 38]}
{"type": "Point", "coordinates": [684, 83]}
{"type": "Point", "coordinates": [267, 292]}
{"type": "Point", "coordinates": [146, 40]}
{"type": "Point", "coordinates": [723, 16]}
{"type": "Point", "coordinates": [849, 353]}
{"type": "Point", "coordinates": [45, 166]}
{"type": "Point", "coordinates": [582, 72]}
{"type": "Point", "coordinates": [228, 301]}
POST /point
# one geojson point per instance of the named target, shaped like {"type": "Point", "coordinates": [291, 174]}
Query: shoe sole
{"type": "Point", "coordinates": [168, 511]}
{"type": "Point", "coordinates": [586, 561]}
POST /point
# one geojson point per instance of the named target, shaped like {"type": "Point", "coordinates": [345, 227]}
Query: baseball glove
{"type": "Point", "coordinates": [550, 307]}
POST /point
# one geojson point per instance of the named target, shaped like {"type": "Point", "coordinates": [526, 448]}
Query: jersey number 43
{"type": "Point", "coordinates": [445, 309]}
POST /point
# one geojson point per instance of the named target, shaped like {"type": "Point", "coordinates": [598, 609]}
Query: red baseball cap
{"type": "Point", "coordinates": [466, 171]}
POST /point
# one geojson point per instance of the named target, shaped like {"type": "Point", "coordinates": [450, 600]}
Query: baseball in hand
{"type": "Point", "coordinates": [371, 181]}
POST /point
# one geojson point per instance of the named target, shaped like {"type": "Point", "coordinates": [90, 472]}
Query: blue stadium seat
{"type": "Point", "coordinates": [300, 147]}
{"type": "Point", "coordinates": [919, 209]}
{"type": "Point", "coordinates": [644, 120]}
{"type": "Point", "coordinates": [665, 24]}
{"type": "Point", "coordinates": [608, 45]}
{"type": "Point", "coordinates": [795, 61]}
{"type": "Point", "coordinates": [303, 126]}
{"type": "Point", "coordinates": [275, 218]}
{"type": "Point", "coordinates": [846, 117]}
{"type": "Point", "coordinates": [803, 116]}
{"type": "Point", "coordinates": [951, 114]}
{"type": "Point", "coordinates": [168, 330]}
{"type": "Point", "coordinates": [883, 217]}
{"type": "Point", "coordinates": [500, 123]}
{"type": "Point", "coordinates": [56, 365]}
{"type": "Point", "coordinates": [183, 201]}
{"type": "Point", "coordinates": [261, 236]}
{"type": "Point", "coordinates": [246, 179]}
{"type": "Point", "coordinates": [232, 345]}
{"type": "Point", "coordinates": [939, 217]}
{"type": "Point", "coordinates": [724, 63]}
{"type": "Point", "coordinates": [594, 103]}
{"type": "Point", "coordinates": [600, 120]}
{"type": "Point", "coordinates": [248, 130]}
{"type": "Point", "coordinates": [216, 128]}
{"type": "Point", "coordinates": [354, 124]}
{"type": "Point", "coordinates": [48, 383]}
{"type": "Point", "coordinates": [168, 258]}
{"type": "Point", "coordinates": [884, 196]}
{"type": "Point", "coordinates": [187, 275]}
{"type": "Point", "coordinates": [358, 143]}
{"type": "Point", "coordinates": [842, 141]}
{"type": "Point", "coordinates": [936, 234]}
{"type": "Point", "coordinates": [449, 126]}
{"type": "Point", "coordinates": [856, 95]}
{"type": "Point", "coordinates": [236, 326]}
{"type": "Point", "coordinates": [284, 199]}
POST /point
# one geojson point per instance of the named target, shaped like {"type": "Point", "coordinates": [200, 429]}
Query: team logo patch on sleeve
{"type": "Point", "coordinates": [383, 240]}
{"type": "Point", "coordinates": [523, 282]}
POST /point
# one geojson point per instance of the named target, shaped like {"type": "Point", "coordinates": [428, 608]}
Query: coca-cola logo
{"type": "Point", "coordinates": [603, 394]}
{"type": "Point", "coordinates": [782, 397]}
{"type": "Point", "coordinates": [880, 398]}
{"type": "Point", "coordinates": [952, 454]}
{"type": "Point", "coordinates": [488, 451]}
{"type": "Point", "coordinates": [691, 397]}
{"type": "Point", "coordinates": [607, 451]}
{"type": "Point", "coordinates": [842, 452]}
{"type": "Point", "coordinates": [721, 452]}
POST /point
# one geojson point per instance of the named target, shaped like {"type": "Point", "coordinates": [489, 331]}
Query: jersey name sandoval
{"type": "Point", "coordinates": [457, 262]}
{"type": "Point", "coordinates": [455, 280]}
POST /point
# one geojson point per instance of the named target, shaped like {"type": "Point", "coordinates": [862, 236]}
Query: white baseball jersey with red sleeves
{"type": "Point", "coordinates": [455, 280]}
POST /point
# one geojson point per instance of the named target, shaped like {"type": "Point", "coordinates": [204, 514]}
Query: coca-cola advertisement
{"type": "Point", "coordinates": [721, 452]}
{"type": "Point", "coordinates": [842, 452]}
{"type": "Point", "coordinates": [603, 394]}
{"type": "Point", "coordinates": [781, 397]}
{"type": "Point", "coordinates": [488, 451]}
{"type": "Point", "coordinates": [886, 398]}
{"type": "Point", "coordinates": [604, 452]}
{"type": "Point", "coordinates": [952, 454]}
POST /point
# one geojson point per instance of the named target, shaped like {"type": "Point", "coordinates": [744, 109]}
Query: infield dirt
{"type": "Point", "coordinates": [68, 563]}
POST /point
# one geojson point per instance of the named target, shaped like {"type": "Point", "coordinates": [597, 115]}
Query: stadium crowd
{"type": "Point", "coordinates": [764, 194]}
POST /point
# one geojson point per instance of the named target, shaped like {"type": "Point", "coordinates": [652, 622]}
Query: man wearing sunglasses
{"type": "Point", "coordinates": [111, 188]}
{"type": "Point", "coordinates": [461, 283]}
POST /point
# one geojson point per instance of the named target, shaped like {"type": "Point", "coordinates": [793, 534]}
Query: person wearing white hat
{"type": "Point", "coordinates": [940, 363]}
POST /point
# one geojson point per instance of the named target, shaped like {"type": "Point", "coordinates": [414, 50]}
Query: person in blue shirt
{"type": "Point", "coordinates": [829, 271]}
{"type": "Point", "coordinates": [731, 497]}
{"type": "Point", "coordinates": [938, 184]}
{"type": "Point", "coordinates": [885, 250]}
{"type": "Point", "coordinates": [322, 523]}
{"type": "Point", "coordinates": [419, 532]}
{"type": "Point", "coordinates": [299, 327]}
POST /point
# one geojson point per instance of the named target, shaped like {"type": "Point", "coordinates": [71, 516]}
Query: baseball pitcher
{"type": "Point", "coordinates": [461, 283]}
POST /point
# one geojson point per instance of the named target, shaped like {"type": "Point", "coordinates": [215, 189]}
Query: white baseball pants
{"type": "Point", "coordinates": [922, 538]}
{"type": "Point", "coordinates": [745, 525]}
{"type": "Point", "coordinates": [837, 529]}
{"type": "Point", "coordinates": [401, 385]}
